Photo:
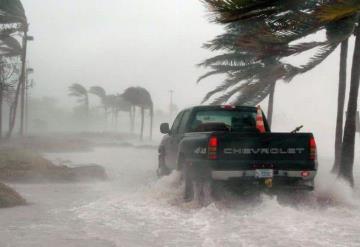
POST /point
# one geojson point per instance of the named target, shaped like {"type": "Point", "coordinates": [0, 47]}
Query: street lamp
{"type": "Point", "coordinates": [171, 102]}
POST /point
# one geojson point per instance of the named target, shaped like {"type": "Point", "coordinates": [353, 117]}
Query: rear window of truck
{"type": "Point", "coordinates": [223, 120]}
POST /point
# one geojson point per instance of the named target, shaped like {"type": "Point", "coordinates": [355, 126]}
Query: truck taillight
{"type": "Point", "coordinates": [305, 174]}
{"type": "Point", "coordinates": [213, 145]}
{"type": "Point", "coordinates": [313, 149]}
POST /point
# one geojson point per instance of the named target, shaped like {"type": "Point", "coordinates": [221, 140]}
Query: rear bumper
{"type": "Point", "coordinates": [244, 175]}
{"type": "Point", "coordinates": [282, 180]}
{"type": "Point", "coordinates": [226, 175]}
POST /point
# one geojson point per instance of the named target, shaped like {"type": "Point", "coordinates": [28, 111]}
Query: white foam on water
{"type": "Point", "coordinates": [153, 213]}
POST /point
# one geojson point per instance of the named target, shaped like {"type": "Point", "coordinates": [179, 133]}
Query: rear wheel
{"type": "Point", "coordinates": [198, 184]}
{"type": "Point", "coordinates": [189, 183]}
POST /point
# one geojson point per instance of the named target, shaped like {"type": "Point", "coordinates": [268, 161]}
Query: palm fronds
{"type": "Point", "coordinates": [260, 34]}
{"type": "Point", "coordinates": [98, 91]}
{"type": "Point", "coordinates": [337, 9]}
{"type": "Point", "coordinates": [12, 11]}
{"type": "Point", "coordinates": [79, 91]}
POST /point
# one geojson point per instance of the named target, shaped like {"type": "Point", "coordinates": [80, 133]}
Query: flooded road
{"type": "Point", "coordinates": [134, 208]}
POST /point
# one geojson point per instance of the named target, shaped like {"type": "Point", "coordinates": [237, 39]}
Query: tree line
{"type": "Point", "coordinates": [260, 34]}
{"type": "Point", "coordinates": [112, 104]}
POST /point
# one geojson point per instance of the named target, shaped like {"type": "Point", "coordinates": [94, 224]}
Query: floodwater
{"type": "Point", "coordinates": [134, 208]}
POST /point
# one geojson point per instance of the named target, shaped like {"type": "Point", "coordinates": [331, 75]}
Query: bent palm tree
{"type": "Point", "coordinates": [140, 97]}
{"type": "Point", "coordinates": [80, 92]}
{"type": "Point", "coordinates": [116, 103]}
{"type": "Point", "coordinates": [258, 30]}
{"type": "Point", "coordinates": [101, 93]}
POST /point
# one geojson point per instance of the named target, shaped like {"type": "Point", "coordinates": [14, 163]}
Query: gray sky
{"type": "Point", "coordinates": [116, 44]}
{"type": "Point", "coordinates": [156, 44]}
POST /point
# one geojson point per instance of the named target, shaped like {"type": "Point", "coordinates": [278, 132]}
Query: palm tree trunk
{"type": "Point", "coordinates": [132, 120]}
{"type": "Point", "coordinates": [151, 121]}
{"type": "Point", "coordinates": [12, 115]}
{"type": "Point", "coordinates": [22, 109]}
{"type": "Point", "coordinates": [87, 106]}
{"type": "Point", "coordinates": [142, 123]}
{"type": "Point", "coordinates": [116, 120]}
{"type": "Point", "coordinates": [1, 106]}
{"type": "Point", "coordinates": [348, 146]}
{"type": "Point", "coordinates": [1, 97]}
{"type": "Point", "coordinates": [106, 117]}
{"type": "Point", "coordinates": [22, 82]}
{"type": "Point", "coordinates": [341, 103]}
{"type": "Point", "coordinates": [271, 105]}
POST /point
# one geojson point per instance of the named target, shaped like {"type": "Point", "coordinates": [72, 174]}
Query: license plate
{"type": "Point", "coordinates": [264, 173]}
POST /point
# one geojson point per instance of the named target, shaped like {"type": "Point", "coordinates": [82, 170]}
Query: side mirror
{"type": "Point", "coordinates": [165, 128]}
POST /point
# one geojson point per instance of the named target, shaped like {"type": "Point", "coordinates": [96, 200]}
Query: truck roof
{"type": "Point", "coordinates": [214, 107]}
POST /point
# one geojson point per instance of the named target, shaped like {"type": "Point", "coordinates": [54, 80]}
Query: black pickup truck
{"type": "Point", "coordinates": [211, 143]}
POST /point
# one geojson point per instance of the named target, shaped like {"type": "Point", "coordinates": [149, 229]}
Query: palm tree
{"type": "Point", "coordinates": [251, 58]}
{"type": "Point", "coordinates": [140, 97]}
{"type": "Point", "coordinates": [264, 29]}
{"type": "Point", "coordinates": [348, 145]}
{"type": "Point", "coordinates": [110, 104]}
{"type": "Point", "coordinates": [122, 105]}
{"type": "Point", "coordinates": [117, 104]}
{"type": "Point", "coordinates": [79, 91]}
{"type": "Point", "coordinates": [12, 20]}
{"type": "Point", "coordinates": [101, 93]}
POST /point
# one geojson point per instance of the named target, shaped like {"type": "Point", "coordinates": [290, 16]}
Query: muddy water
{"type": "Point", "coordinates": [135, 209]}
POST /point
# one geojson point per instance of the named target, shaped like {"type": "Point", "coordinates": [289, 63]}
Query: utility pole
{"type": "Point", "coordinates": [23, 81]}
{"type": "Point", "coordinates": [171, 102]}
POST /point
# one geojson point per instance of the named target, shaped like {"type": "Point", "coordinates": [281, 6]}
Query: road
{"type": "Point", "coordinates": [134, 208]}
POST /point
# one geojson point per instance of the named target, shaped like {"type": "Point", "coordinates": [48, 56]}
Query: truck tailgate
{"type": "Point", "coordinates": [278, 150]}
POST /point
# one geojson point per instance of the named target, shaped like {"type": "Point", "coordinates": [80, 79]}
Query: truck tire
{"type": "Point", "coordinates": [198, 184]}
{"type": "Point", "coordinates": [189, 183]}
{"type": "Point", "coordinates": [162, 170]}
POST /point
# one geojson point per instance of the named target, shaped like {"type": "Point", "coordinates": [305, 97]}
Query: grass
{"type": "Point", "coordinates": [24, 166]}
{"type": "Point", "coordinates": [9, 197]}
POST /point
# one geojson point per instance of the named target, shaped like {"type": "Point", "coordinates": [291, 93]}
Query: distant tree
{"type": "Point", "coordinates": [101, 93]}
{"type": "Point", "coordinates": [80, 92]}
{"type": "Point", "coordinates": [140, 97]}
{"type": "Point", "coordinates": [117, 104]}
